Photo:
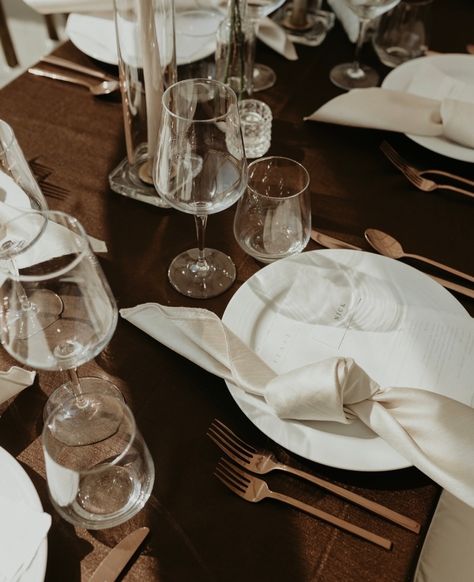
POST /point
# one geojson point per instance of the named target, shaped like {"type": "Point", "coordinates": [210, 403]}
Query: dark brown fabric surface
{"type": "Point", "coordinates": [199, 530]}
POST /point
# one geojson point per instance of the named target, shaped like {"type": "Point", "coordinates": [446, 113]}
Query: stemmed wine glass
{"type": "Point", "coordinates": [263, 77]}
{"type": "Point", "coordinates": [354, 75]}
{"type": "Point", "coordinates": [60, 261]}
{"type": "Point", "coordinates": [200, 169]}
{"type": "Point", "coordinates": [19, 228]}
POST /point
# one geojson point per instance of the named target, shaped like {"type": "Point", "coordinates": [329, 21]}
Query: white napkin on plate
{"type": "Point", "coordinates": [433, 432]}
{"type": "Point", "coordinates": [22, 530]}
{"type": "Point", "coordinates": [399, 111]}
{"type": "Point", "coordinates": [269, 32]}
{"type": "Point", "coordinates": [12, 382]}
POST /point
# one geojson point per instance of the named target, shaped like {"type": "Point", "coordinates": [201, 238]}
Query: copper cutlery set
{"type": "Point", "coordinates": [242, 461]}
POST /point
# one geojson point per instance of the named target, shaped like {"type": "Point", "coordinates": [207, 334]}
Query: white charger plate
{"type": "Point", "coordinates": [17, 486]}
{"type": "Point", "coordinates": [284, 312]}
{"type": "Point", "coordinates": [458, 66]}
{"type": "Point", "coordinates": [94, 35]}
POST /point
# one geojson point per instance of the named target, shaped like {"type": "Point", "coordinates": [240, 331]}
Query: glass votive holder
{"type": "Point", "coordinates": [273, 218]}
{"type": "Point", "coordinates": [256, 123]}
{"type": "Point", "coordinates": [96, 478]}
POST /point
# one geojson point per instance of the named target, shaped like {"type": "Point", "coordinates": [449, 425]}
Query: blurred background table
{"type": "Point", "coordinates": [199, 530]}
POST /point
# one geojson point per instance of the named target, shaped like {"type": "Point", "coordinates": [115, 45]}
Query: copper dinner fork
{"type": "Point", "coordinates": [415, 176]}
{"type": "Point", "coordinates": [253, 489]}
{"type": "Point", "coordinates": [261, 463]}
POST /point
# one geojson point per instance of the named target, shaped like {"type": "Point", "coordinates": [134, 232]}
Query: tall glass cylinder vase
{"type": "Point", "coordinates": [146, 50]}
{"type": "Point", "coordinates": [234, 48]}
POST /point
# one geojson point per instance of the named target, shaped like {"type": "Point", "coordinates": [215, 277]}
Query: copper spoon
{"type": "Point", "coordinates": [102, 88]}
{"type": "Point", "coordinates": [388, 246]}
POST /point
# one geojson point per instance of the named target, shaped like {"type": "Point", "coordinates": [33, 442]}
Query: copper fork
{"type": "Point", "coordinates": [247, 456]}
{"type": "Point", "coordinates": [415, 176]}
{"type": "Point", "coordinates": [253, 489]}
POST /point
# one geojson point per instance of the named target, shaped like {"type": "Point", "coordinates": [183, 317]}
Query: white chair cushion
{"type": "Point", "coordinates": [448, 551]}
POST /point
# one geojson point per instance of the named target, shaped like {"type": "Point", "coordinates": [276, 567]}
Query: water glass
{"type": "Point", "coordinates": [402, 34]}
{"type": "Point", "coordinates": [256, 123]}
{"type": "Point", "coordinates": [273, 218]}
{"type": "Point", "coordinates": [103, 482]}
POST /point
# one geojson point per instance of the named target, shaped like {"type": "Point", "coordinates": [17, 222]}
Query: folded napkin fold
{"type": "Point", "coordinates": [433, 432]}
{"type": "Point", "coordinates": [22, 530]}
{"type": "Point", "coordinates": [391, 110]}
{"type": "Point", "coordinates": [14, 381]}
{"type": "Point", "coordinates": [269, 32]}
{"type": "Point", "coordinates": [348, 18]}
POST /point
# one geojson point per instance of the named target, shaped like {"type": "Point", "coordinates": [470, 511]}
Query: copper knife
{"type": "Point", "coordinates": [333, 243]}
{"type": "Point", "coordinates": [115, 561]}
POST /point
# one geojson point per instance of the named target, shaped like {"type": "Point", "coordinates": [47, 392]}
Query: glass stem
{"type": "Point", "coordinates": [250, 65]}
{"type": "Point", "coordinates": [356, 69]}
{"type": "Point", "coordinates": [75, 384]}
{"type": "Point", "coordinates": [201, 222]}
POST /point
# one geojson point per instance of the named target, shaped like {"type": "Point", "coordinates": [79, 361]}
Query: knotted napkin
{"type": "Point", "coordinates": [434, 105]}
{"type": "Point", "coordinates": [433, 432]}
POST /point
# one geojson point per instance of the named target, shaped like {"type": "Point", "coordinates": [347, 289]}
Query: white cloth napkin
{"type": "Point", "coordinates": [398, 111]}
{"type": "Point", "coordinates": [348, 19]}
{"type": "Point", "coordinates": [12, 382]}
{"type": "Point", "coordinates": [433, 432]}
{"type": "Point", "coordinates": [269, 32]}
{"type": "Point", "coordinates": [22, 530]}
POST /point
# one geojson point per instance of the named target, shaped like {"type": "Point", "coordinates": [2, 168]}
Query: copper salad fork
{"type": "Point", "coordinates": [261, 463]}
{"type": "Point", "coordinates": [253, 489]}
{"type": "Point", "coordinates": [415, 176]}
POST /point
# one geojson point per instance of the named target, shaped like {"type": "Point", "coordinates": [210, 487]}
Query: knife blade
{"type": "Point", "coordinates": [333, 243]}
{"type": "Point", "coordinates": [116, 560]}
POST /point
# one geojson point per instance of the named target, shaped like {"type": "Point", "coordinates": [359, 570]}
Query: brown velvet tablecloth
{"type": "Point", "coordinates": [199, 530]}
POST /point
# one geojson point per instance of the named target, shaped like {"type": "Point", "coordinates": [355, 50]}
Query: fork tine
{"type": "Point", "coordinates": [237, 440]}
{"type": "Point", "coordinates": [228, 448]}
{"type": "Point", "coordinates": [236, 473]}
{"type": "Point", "coordinates": [223, 478]}
{"type": "Point", "coordinates": [234, 443]}
{"type": "Point", "coordinates": [392, 153]}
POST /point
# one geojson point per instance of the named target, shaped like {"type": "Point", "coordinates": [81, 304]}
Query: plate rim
{"type": "Point", "coordinates": [236, 392]}
{"type": "Point", "coordinates": [32, 498]}
{"type": "Point", "coordinates": [435, 144]}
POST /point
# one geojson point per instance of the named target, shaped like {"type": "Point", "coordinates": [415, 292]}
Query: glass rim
{"type": "Point", "coordinates": [204, 81]}
{"type": "Point", "coordinates": [295, 194]}
{"type": "Point", "coordinates": [126, 410]}
{"type": "Point", "coordinates": [71, 265]}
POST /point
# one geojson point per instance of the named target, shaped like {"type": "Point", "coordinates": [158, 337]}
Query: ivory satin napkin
{"type": "Point", "coordinates": [269, 32]}
{"type": "Point", "coordinates": [435, 433]}
{"type": "Point", "coordinates": [14, 381]}
{"type": "Point", "coordinates": [433, 105]}
{"type": "Point", "coordinates": [22, 530]}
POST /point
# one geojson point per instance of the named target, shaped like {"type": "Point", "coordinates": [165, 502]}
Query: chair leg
{"type": "Point", "coordinates": [6, 40]}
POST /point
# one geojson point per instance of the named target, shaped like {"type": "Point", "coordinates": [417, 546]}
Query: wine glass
{"type": "Point", "coordinates": [19, 228]}
{"type": "Point", "coordinates": [354, 75]}
{"type": "Point", "coordinates": [200, 169]}
{"type": "Point", "coordinates": [263, 77]}
{"type": "Point", "coordinates": [60, 261]}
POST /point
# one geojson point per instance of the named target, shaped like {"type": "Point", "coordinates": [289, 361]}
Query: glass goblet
{"type": "Point", "coordinates": [273, 217]}
{"type": "Point", "coordinates": [19, 228]}
{"type": "Point", "coordinates": [200, 169]}
{"type": "Point", "coordinates": [59, 261]}
{"type": "Point", "coordinates": [354, 75]}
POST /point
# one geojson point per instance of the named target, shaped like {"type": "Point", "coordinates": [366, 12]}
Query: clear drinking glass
{"type": "Point", "coordinates": [201, 169]}
{"type": "Point", "coordinates": [354, 75]}
{"type": "Point", "coordinates": [102, 482]}
{"type": "Point", "coordinates": [59, 262]}
{"type": "Point", "coordinates": [256, 122]}
{"type": "Point", "coordinates": [273, 217]}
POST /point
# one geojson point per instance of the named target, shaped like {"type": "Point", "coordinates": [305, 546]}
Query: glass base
{"type": "Point", "coordinates": [189, 279]}
{"type": "Point", "coordinates": [263, 77]}
{"type": "Point", "coordinates": [135, 181]}
{"type": "Point", "coordinates": [314, 32]}
{"type": "Point", "coordinates": [88, 385]}
{"type": "Point", "coordinates": [346, 77]}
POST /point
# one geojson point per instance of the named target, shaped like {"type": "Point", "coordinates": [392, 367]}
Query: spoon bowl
{"type": "Point", "coordinates": [389, 246]}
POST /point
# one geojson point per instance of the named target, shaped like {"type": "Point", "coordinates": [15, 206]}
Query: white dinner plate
{"type": "Point", "coordinates": [94, 35]}
{"type": "Point", "coordinates": [458, 66]}
{"type": "Point", "coordinates": [17, 486]}
{"type": "Point", "coordinates": [389, 317]}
